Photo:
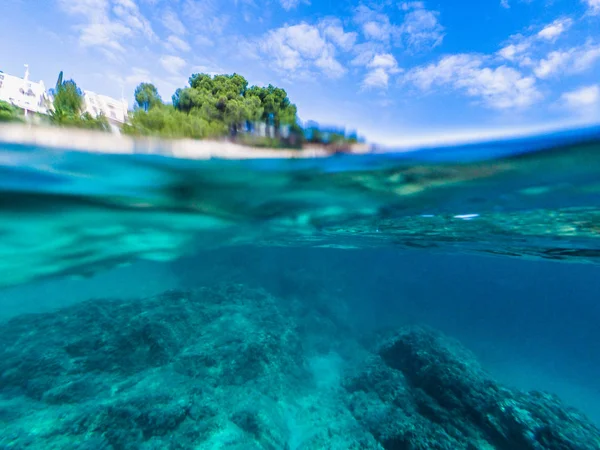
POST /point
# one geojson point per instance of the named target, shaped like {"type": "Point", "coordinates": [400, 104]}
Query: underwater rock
{"type": "Point", "coordinates": [234, 367]}
{"type": "Point", "coordinates": [447, 401]}
{"type": "Point", "coordinates": [207, 368]}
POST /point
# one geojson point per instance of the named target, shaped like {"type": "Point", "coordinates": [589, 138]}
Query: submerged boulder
{"type": "Point", "coordinates": [234, 367]}
{"type": "Point", "coordinates": [429, 392]}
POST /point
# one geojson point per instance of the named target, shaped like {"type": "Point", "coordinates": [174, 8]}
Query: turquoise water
{"type": "Point", "coordinates": [152, 302]}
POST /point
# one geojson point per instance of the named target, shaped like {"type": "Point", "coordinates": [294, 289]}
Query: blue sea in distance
{"type": "Point", "coordinates": [443, 298]}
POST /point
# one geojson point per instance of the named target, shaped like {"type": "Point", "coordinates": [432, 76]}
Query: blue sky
{"type": "Point", "coordinates": [391, 69]}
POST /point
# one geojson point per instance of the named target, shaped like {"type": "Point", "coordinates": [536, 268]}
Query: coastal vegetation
{"type": "Point", "coordinates": [210, 106]}
{"type": "Point", "coordinates": [68, 108]}
{"type": "Point", "coordinates": [9, 113]}
{"type": "Point", "coordinates": [225, 106]}
{"type": "Point", "coordinates": [214, 106]}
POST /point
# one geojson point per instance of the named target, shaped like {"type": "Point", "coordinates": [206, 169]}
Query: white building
{"type": "Point", "coordinates": [114, 110]}
{"type": "Point", "coordinates": [24, 94]}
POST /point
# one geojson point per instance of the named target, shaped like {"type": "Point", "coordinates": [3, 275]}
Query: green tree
{"type": "Point", "coordinates": [59, 82]}
{"type": "Point", "coordinates": [188, 99]}
{"type": "Point", "coordinates": [147, 97]}
{"type": "Point", "coordinates": [68, 99]}
{"type": "Point", "coordinates": [221, 99]}
{"type": "Point", "coordinates": [172, 123]}
{"type": "Point", "coordinates": [277, 108]}
{"type": "Point", "coordinates": [68, 108]}
{"type": "Point", "coordinates": [241, 110]}
{"type": "Point", "coordinates": [8, 113]}
{"type": "Point", "coordinates": [219, 105]}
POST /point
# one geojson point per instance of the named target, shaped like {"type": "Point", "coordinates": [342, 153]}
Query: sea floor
{"type": "Point", "coordinates": [291, 349]}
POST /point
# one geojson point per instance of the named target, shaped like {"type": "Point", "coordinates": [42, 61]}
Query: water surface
{"type": "Point", "coordinates": [307, 262]}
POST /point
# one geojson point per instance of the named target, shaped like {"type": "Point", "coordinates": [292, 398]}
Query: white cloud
{"type": "Point", "coordinates": [375, 25]}
{"type": "Point", "coordinates": [553, 63]}
{"type": "Point", "coordinates": [107, 35]}
{"type": "Point", "coordinates": [374, 30]}
{"type": "Point", "coordinates": [573, 60]}
{"type": "Point", "coordinates": [378, 78]}
{"type": "Point", "coordinates": [583, 97]}
{"type": "Point", "coordinates": [332, 29]}
{"type": "Point", "coordinates": [365, 51]}
{"type": "Point", "coordinates": [107, 23]}
{"type": "Point", "coordinates": [512, 51]}
{"type": "Point", "coordinates": [138, 75]}
{"type": "Point", "coordinates": [291, 4]}
{"type": "Point", "coordinates": [583, 102]}
{"type": "Point", "coordinates": [172, 64]}
{"type": "Point", "coordinates": [205, 16]}
{"type": "Point", "coordinates": [421, 29]}
{"type": "Point", "coordinates": [445, 71]}
{"type": "Point", "coordinates": [504, 4]}
{"type": "Point", "coordinates": [304, 38]}
{"type": "Point", "coordinates": [380, 68]}
{"type": "Point", "coordinates": [407, 6]}
{"type": "Point", "coordinates": [586, 57]}
{"type": "Point", "coordinates": [385, 61]}
{"type": "Point", "coordinates": [176, 43]}
{"type": "Point", "coordinates": [524, 50]}
{"type": "Point", "coordinates": [171, 21]}
{"type": "Point", "coordinates": [501, 87]}
{"type": "Point", "coordinates": [94, 10]}
{"type": "Point", "coordinates": [593, 6]}
{"type": "Point", "coordinates": [128, 12]}
{"type": "Point", "coordinates": [555, 29]}
{"type": "Point", "coordinates": [330, 66]}
{"type": "Point", "coordinates": [203, 41]}
{"type": "Point", "coordinates": [297, 49]}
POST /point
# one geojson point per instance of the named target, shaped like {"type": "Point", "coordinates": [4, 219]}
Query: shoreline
{"type": "Point", "coordinates": [75, 139]}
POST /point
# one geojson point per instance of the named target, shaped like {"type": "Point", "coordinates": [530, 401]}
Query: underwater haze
{"type": "Point", "coordinates": [437, 299]}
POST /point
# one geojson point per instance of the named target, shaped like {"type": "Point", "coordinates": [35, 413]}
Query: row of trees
{"type": "Point", "coordinates": [210, 107]}
{"type": "Point", "coordinates": [222, 105]}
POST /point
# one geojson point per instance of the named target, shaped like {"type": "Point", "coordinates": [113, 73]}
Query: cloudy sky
{"type": "Point", "coordinates": [391, 69]}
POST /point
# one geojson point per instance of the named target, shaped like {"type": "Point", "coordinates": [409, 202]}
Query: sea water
{"type": "Point", "coordinates": [402, 300]}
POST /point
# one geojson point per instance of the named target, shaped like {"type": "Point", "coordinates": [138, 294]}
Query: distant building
{"type": "Point", "coordinates": [114, 110]}
{"type": "Point", "coordinates": [24, 94]}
